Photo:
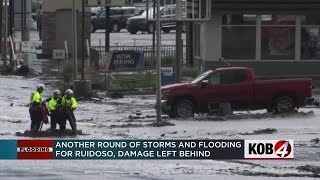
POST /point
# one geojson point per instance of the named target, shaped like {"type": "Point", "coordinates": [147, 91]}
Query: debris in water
{"type": "Point", "coordinates": [316, 140]}
{"type": "Point", "coordinates": [127, 126]}
{"type": "Point", "coordinates": [135, 117]}
{"type": "Point", "coordinates": [151, 116]}
{"type": "Point", "coordinates": [95, 99]}
{"type": "Point", "coordinates": [261, 131]}
{"type": "Point", "coordinates": [174, 132]}
{"type": "Point", "coordinates": [116, 95]}
{"type": "Point", "coordinates": [161, 124]}
{"type": "Point", "coordinates": [4, 134]}
{"type": "Point", "coordinates": [50, 133]}
{"type": "Point", "coordinates": [314, 169]}
{"type": "Point", "coordinates": [138, 113]}
{"type": "Point", "coordinates": [19, 121]}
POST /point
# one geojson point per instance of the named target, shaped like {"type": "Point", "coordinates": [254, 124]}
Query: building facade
{"type": "Point", "coordinates": [275, 37]}
{"type": "Point", "coordinates": [57, 25]}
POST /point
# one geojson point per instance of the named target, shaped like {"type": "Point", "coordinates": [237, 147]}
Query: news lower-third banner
{"type": "Point", "coordinates": [145, 149]}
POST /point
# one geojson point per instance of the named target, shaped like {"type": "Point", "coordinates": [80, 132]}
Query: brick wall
{"type": "Point", "coordinates": [49, 32]}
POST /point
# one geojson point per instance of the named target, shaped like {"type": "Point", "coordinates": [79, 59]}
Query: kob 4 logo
{"type": "Point", "coordinates": [268, 149]}
{"type": "Point", "coordinates": [283, 148]}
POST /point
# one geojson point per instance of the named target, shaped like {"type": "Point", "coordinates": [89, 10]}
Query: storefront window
{"type": "Point", "coordinates": [278, 20]}
{"type": "Point", "coordinates": [277, 43]}
{"type": "Point", "coordinates": [310, 20]}
{"type": "Point", "coordinates": [278, 37]}
{"type": "Point", "coordinates": [240, 19]}
{"type": "Point", "coordinates": [238, 42]}
{"type": "Point", "coordinates": [310, 43]}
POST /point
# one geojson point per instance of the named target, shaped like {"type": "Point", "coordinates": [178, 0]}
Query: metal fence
{"type": "Point", "coordinates": [168, 51]}
{"type": "Point", "coordinates": [134, 78]}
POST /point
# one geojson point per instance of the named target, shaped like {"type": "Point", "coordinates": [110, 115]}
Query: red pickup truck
{"type": "Point", "coordinates": [237, 86]}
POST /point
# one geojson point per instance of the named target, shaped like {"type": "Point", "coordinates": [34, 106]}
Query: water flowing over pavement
{"type": "Point", "coordinates": [117, 119]}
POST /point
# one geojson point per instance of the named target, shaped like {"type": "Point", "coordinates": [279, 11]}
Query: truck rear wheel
{"type": "Point", "coordinates": [284, 104]}
{"type": "Point", "coordinates": [184, 108]}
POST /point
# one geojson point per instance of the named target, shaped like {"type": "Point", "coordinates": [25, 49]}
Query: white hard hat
{"type": "Point", "coordinates": [39, 86]}
{"type": "Point", "coordinates": [69, 91]}
{"type": "Point", "coordinates": [57, 92]}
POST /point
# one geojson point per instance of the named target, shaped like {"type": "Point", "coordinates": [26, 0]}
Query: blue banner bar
{"type": "Point", "coordinates": [8, 149]}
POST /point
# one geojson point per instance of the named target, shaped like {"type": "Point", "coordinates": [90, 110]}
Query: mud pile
{"type": "Point", "coordinates": [49, 133]}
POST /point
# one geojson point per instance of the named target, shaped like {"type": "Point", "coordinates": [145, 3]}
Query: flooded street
{"type": "Point", "coordinates": [117, 119]}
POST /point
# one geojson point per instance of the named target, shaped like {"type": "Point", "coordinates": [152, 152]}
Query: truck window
{"type": "Point", "coordinates": [214, 78]}
{"type": "Point", "coordinates": [201, 76]}
{"type": "Point", "coordinates": [102, 14]}
{"type": "Point", "coordinates": [241, 76]}
{"type": "Point", "coordinates": [116, 12]}
{"type": "Point", "coordinates": [129, 11]}
{"type": "Point", "coordinates": [231, 77]}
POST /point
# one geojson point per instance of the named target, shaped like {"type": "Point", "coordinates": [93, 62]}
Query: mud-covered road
{"type": "Point", "coordinates": [117, 119]}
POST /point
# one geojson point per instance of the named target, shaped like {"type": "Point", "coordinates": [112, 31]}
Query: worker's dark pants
{"type": "Point", "coordinates": [56, 118]}
{"type": "Point", "coordinates": [71, 118]}
{"type": "Point", "coordinates": [35, 115]}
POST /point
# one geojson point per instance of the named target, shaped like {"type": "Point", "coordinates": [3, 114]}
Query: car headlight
{"type": "Point", "coordinates": [165, 93]}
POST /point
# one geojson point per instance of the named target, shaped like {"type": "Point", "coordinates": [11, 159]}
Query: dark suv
{"type": "Point", "coordinates": [140, 23]}
{"type": "Point", "coordinates": [118, 18]}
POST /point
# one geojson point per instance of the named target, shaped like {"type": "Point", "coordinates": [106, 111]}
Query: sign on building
{"type": "Point", "coordinates": [94, 3]}
{"type": "Point", "coordinates": [59, 54]}
{"type": "Point", "coordinates": [167, 71]}
{"type": "Point", "coordinates": [126, 59]}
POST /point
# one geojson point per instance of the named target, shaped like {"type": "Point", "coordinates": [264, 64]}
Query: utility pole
{"type": "Point", "coordinates": [154, 29]}
{"type": "Point", "coordinates": [158, 64]}
{"type": "Point", "coordinates": [5, 53]}
{"type": "Point", "coordinates": [11, 24]}
{"type": "Point", "coordinates": [107, 26]}
{"type": "Point", "coordinates": [147, 10]}
{"type": "Point", "coordinates": [25, 34]}
{"type": "Point", "coordinates": [1, 30]}
{"type": "Point", "coordinates": [74, 40]}
{"type": "Point", "coordinates": [179, 43]}
{"type": "Point", "coordinates": [83, 39]}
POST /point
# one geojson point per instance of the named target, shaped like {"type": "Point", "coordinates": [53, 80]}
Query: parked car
{"type": "Point", "coordinates": [237, 86]}
{"type": "Point", "coordinates": [118, 18]}
{"type": "Point", "coordinates": [95, 11]}
{"type": "Point", "coordinates": [140, 23]}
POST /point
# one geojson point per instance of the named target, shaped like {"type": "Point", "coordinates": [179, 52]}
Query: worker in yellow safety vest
{"type": "Point", "coordinates": [70, 104]}
{"type": "Point", "coordinates": [37, 110]}
{"type": "Point", "coordinates": [56, 111]}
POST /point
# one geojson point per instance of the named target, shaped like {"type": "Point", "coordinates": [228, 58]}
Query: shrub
{"type": "Point", "coordinates": [165, 61]}
{"type": "Point", "coordinates": [190, 72]}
